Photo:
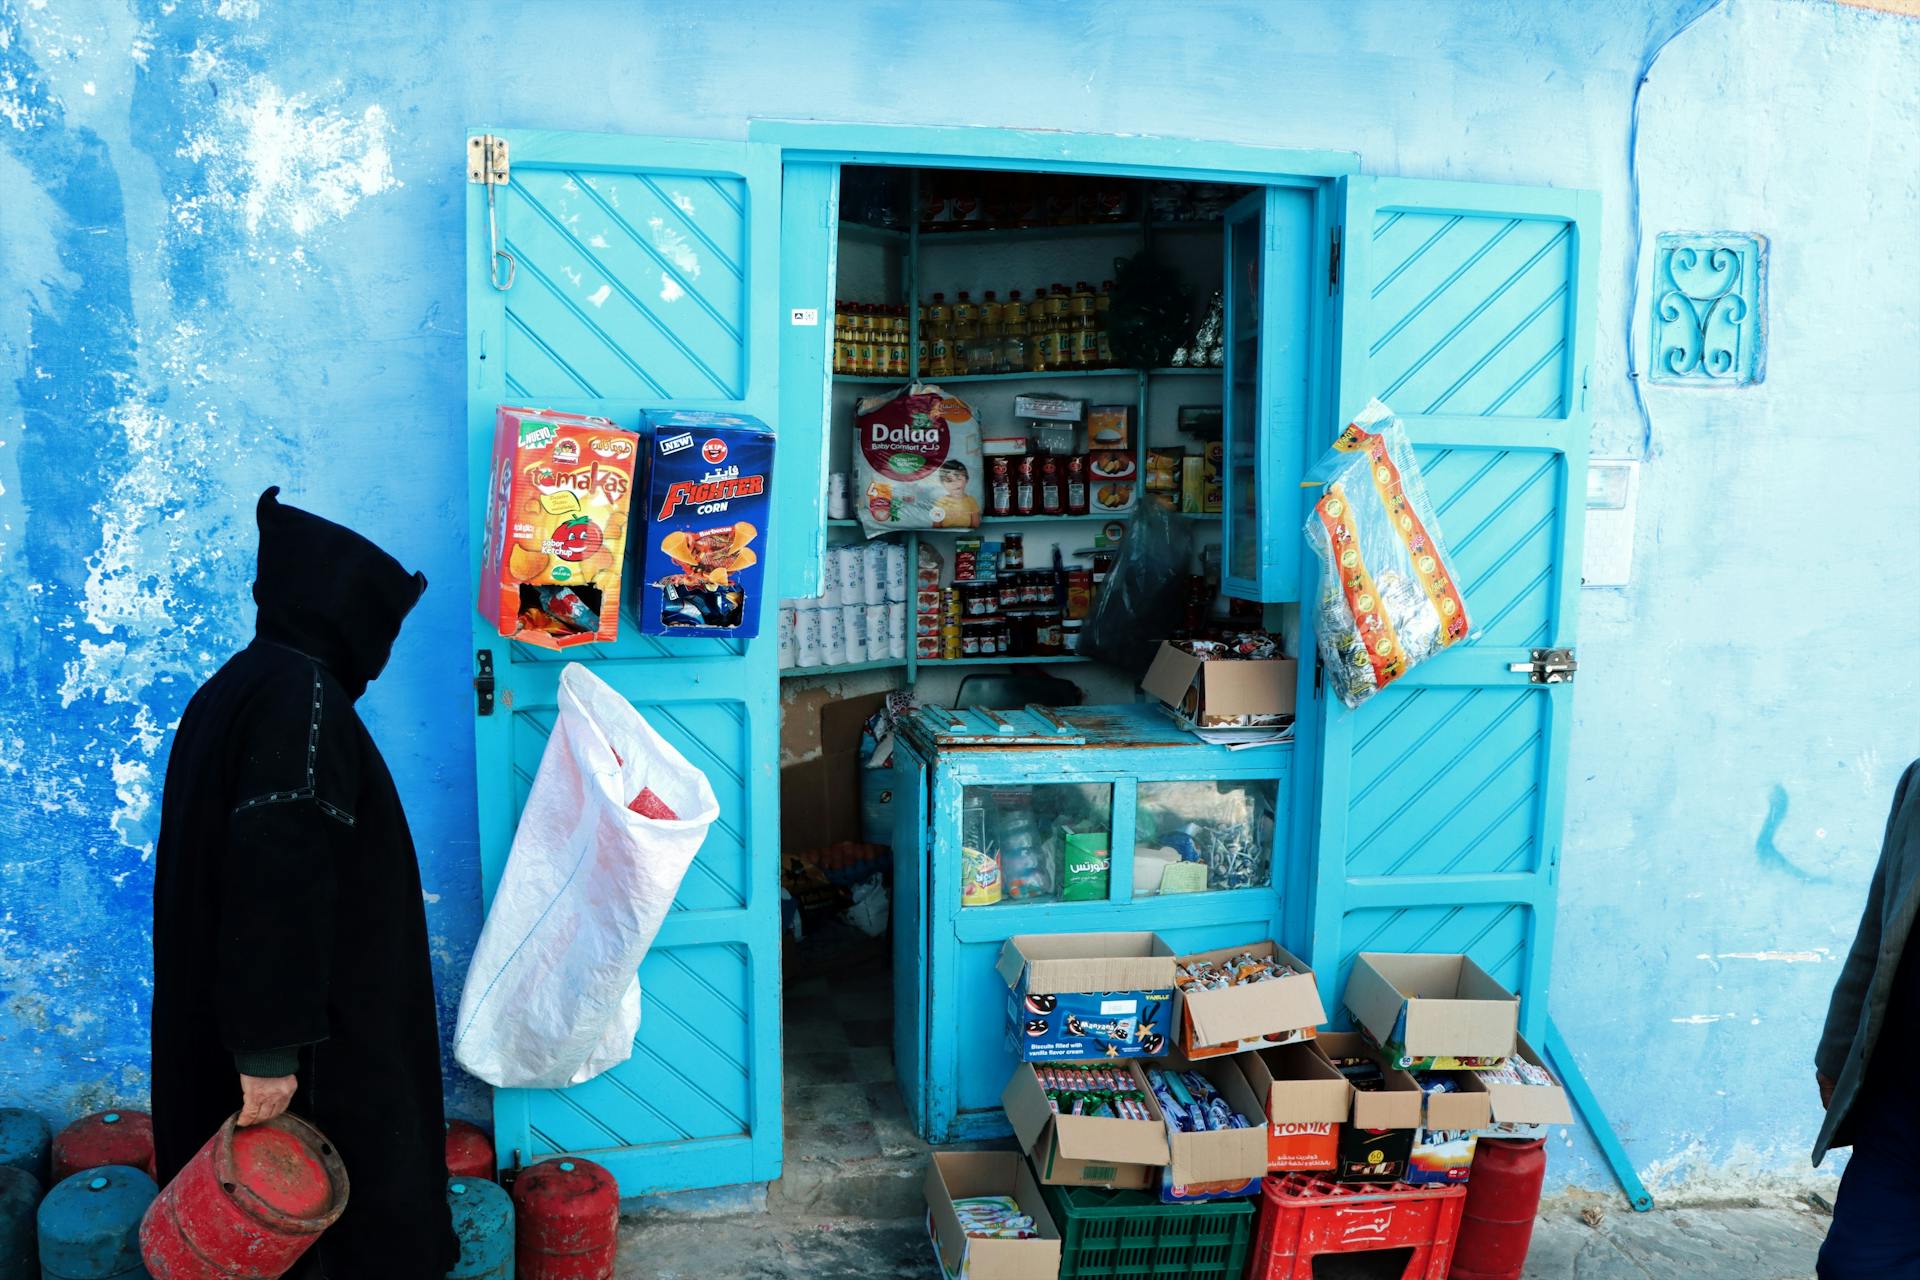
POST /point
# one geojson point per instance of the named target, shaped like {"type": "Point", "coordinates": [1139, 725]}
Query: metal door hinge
{"type": "Point", "coordinates": [1549, 666]}
{"type": "Point", "coordinates": [1333, 265]}
{"type": "Point", "coordinates": [483, 682]}
{"type": "Point", "coordinates": [487, 160]}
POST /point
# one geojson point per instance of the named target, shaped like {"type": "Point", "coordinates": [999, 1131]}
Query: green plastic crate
{"type": "Point", "coordinates": [1130, 1235]}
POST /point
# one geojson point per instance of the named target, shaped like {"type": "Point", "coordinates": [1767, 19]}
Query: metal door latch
{"type": "Point", "coordinates": [487, 164]}
{"type": "Point", "coordinates": [483, 682]}
{"type": "Point", "coordinates": [1549, 666]}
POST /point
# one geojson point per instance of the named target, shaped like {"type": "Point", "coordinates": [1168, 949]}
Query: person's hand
{"type": "Point", "coordinates": [264, 1097]}
{"type": "Point", "coordinates": [1826, 1089]}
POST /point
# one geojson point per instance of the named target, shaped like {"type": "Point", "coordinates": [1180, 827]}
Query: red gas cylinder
{"type": "Point", "coordinates": [568, 1216]}
{"type": "Point", "coordinates": [247, 1206]}
{"type": "Point", "coordinates": [1502, 1199]}
{"type": "Point", "coordinates": [106, 1137]}
{"type": "Point", "coordinates": [469, 1151]}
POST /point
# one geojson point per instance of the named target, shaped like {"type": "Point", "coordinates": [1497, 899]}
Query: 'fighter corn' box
{"type": "Point", "coordinates": [707, 502]}
{"type": "Point", "coordinates": [558, 494]}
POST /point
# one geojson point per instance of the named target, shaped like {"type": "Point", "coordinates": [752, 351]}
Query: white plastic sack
{"type": "Point", "coordinates": [553, 995]}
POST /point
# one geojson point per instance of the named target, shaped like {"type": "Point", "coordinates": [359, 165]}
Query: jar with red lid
{"type": "Point", "coordinates": [1052, 486]}
{"type": "Point", "coordinates": [1074, 483]}
{"type": "Point", "coordinates": [1025, 480]}
{"type": "Point", "coordinates": [1000, 486]}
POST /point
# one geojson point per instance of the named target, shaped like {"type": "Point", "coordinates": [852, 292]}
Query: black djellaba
{"type": "Point", "coordinates": [289, 934]}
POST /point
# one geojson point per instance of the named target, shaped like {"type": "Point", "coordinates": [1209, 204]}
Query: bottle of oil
{"type": "Point", "coordinates": [1086, 337]}
{"type": "Point", "coordinates": [1039, 334]}
{"type": "Point", "coordinates": [1066, 348]}
{"type": "Point", "coordinates": [1011, 357]}
{"type": "Point", "coordinates": [939, 338]}
{"type": "Point", "coordinates": [1102, 310]}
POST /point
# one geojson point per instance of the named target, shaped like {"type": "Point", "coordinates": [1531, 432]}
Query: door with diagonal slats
{"type": "Point", "coordinates": [645, 276]}
{"type": "Point", "coordinates": [1469, 310]}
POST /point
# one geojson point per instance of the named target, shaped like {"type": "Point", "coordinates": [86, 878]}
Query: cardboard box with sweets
{"type": "Point", "coordinates": [1376, 1143]}
{"type": "Point", "coordinates": [1307, 1101]}
{"type": "Point", "coordinates": [1456, 1109]}
{"type": "Point", "coordinates": [1432, 1011]}
{"type": "Point", "coordinates": [1524, 1096]}
{"type": "Point", "coordinates": [1216, 1162]}
{"type": "Point", "coordinates": [1086, 996]}
{"type": "Point", "coordinates": [558, 494]}
{"type": "Point", "coordinates": [963, 1175]}
{"type": "Point", "coordinates": [1222, 691]}
{"type": "Point", "coordinates": [1083, 1150]}
{"type": "Point", "coordinates": [1247, 1015]}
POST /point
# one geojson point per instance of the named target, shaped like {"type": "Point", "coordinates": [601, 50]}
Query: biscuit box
{"type": "Point", "coordinates": [1081, 996]}
{"type": "Point", "coordinates": [706, 507]}
{"type": "Point", "coordinates": [557, 513]}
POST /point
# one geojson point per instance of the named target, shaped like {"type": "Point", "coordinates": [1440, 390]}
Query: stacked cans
{"type": "Point", "coordinates": [860, 616]}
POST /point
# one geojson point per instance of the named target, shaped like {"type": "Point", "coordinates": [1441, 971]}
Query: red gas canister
{"type": "Point", "coordinates": [247, 1206]}
{"type": "Point", "coordinates": [106, 1137]}
{"type": "Point", "coordinates": [1502, 1198]}
{"type": "Point", "coordinates": [469, 1151]}
{"type": "Point", "coordinates": [568, 1217]}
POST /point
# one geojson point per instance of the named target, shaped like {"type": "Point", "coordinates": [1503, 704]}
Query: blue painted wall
{"type": "Point", "coordinates": [230, 255]}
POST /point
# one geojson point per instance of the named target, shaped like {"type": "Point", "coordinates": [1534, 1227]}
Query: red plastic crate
{"type": "Point", "coordinates": [1303, 1216]}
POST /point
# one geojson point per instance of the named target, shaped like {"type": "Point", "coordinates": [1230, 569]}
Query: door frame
{"type": "Point", "coordinates": [815, 143]}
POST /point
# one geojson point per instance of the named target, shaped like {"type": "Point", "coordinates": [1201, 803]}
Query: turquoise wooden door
{"type": "Point", "coordinates": [1469, 310]}
{"type": "Point", "coordinates": [644, 275]}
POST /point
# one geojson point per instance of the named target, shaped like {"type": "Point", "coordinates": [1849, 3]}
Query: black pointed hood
{"type": "Point", "coordinates": [330, 593]}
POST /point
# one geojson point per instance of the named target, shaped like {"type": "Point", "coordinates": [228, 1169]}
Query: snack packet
{"type": "Point", "coordinates": [1389, 598]}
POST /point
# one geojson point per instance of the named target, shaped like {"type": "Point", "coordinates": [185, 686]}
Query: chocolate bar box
{"type": "Point", "coordinates": [701, 523]}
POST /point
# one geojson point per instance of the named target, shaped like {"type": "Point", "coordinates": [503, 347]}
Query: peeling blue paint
{"type": "Point", "coordinates": [231, 255]}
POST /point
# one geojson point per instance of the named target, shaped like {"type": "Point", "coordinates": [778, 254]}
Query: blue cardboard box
{"type": "Point", "coordinates": [1087, 996]}
{"type": "Point", "coordinates": [706, 507]}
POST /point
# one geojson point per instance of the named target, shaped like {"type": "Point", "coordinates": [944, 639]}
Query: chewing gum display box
{"type": "Point", "coordinates": [1082, 996]}
{"type": "Point", "coordinates": [1249, 1015]}
{"type": "Point", "coordinates": [960, 1175]}
{"type": "Point", "coordinates": [557, 509]}
{"type": "Point", "coordinates": [1433, 1011]}
{"type": "Point", "coordinates": [1307, 1100]}
{"type": "Point", "coordinates": [1376, 1143]}
{"type": "Point", "coordinates": [1086, 1151]}
{"type": "Point", "coordinates": [708, 500]}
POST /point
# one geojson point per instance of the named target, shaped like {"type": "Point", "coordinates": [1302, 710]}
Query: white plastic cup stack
{"type": "Point", "coordinates": [853, 629]}
{"type": "Point", "coordinates": [806, 635]}
{"type": "Point", "coordinates": [897, 584]}
{"type": "Point", "coordinates": [784, 632]}
{"type": "Point", "coordinates": [833, 637]}
{"type": "Point", "coordinates": [897, 631]}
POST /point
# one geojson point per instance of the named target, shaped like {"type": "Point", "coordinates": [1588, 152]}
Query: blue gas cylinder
{"type": "Point", "coordinates": [90, 1225]}
{"type": "Point", "coordinates": [483, 1219]}
{"type": "Point", "coordinates": [25, 1142]}
{"type": "Point", "coordinates": [19, 1198]}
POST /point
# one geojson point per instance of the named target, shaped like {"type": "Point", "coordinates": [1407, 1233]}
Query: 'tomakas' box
{"type": "Point", "coordinates": [1376, 1143]}
{"type": "Point", "coordinates": [1432, 1012]}
{"type": "Point", "coordinates": [557, 507]}
{"type": "Point", "coordinates": [1082, 996]}
{"type": "Point", "coordinates": [708, 500]}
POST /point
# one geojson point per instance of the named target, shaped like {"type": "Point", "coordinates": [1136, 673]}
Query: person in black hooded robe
{"type": "Point", "coordinates": [290, 954]}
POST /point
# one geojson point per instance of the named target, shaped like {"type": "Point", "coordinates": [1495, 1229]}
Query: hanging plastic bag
{"type": "Point", "coordinates": [610, 827]}
{"type": "Point", "coordinates": [1145, 592]}
{"type": "Point", "coordinates": [1389, 598]}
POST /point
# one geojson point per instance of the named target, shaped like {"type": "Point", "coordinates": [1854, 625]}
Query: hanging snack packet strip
{"type": "Point", "coordinates": [1389, 598]}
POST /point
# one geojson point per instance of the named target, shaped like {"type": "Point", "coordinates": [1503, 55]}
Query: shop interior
{"type": "Point", "coordinates": [1080, 319]}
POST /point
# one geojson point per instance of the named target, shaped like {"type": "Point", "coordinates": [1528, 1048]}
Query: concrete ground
{"type": "Point", "coordinates": [849, 1206]}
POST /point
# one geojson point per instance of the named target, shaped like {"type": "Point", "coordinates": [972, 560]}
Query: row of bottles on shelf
{"type": "Point", "coordinates": [1058, 328]}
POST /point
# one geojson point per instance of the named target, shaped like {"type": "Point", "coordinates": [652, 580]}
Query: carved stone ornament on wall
{"type": "Point", "coordinates": [1709, 308]}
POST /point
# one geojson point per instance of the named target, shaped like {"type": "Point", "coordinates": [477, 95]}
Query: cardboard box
{"type": "Point", "coordinates": [1223, 691]}
{"type": "Point", "coordinates": [1225, 1159]}
{"type": "Point", "coordinates": [957, 1175]}
{"type": "Point", "coordinates": [1086, 1151]}
{"type": "Point", "coordinates": [820, 798]}
{"type": "Point", "coordinates": [1432, 1011]}
{"type": "Point", "coordinates": [1246, 1017]}
{"type": "Point", "coordinates": [1109, 426]}
{"type": "Point", "coordinates": [1440, 1157]}
{"type": "Point", "coordinates": [1306, 1101]}
{"type": "Point", "coordinates": [708, 503]}
{"type": "Point", "coordinates": [557, 511]}
{"type": "Point", "coordinates": [1376, 1144]}
{"type": "Point", "coordinates": [1521, 1110]}
{"type": "Point", "coordinates": [1086, 996]}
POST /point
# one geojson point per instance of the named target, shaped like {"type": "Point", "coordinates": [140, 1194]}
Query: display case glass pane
{"type": "Point", "coordinates": [1202, 836]}
{"type": "Point", "coordinates": [1046, 842]}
